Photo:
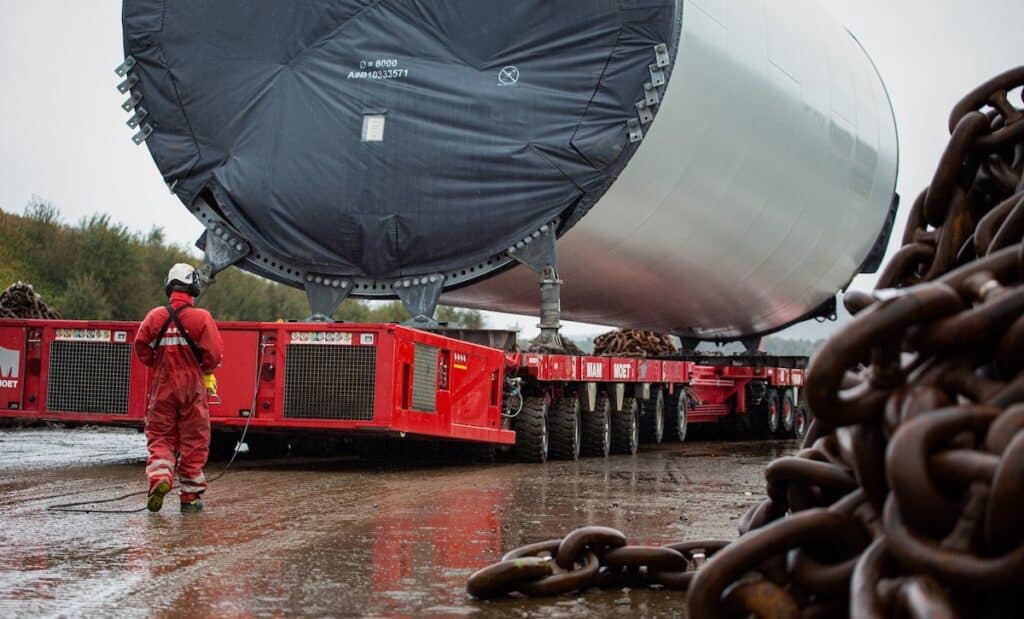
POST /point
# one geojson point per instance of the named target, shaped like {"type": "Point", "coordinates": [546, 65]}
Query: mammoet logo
{"type": "Point", "coordinates": [9, 362]}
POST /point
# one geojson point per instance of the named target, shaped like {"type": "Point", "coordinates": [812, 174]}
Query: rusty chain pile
{"type": "Point", "coordinates": [904, 498]}
{"type": "Point", "coordinates": [590, 557]}
{"type": "Point", "coordinates": [22, 301]}
{"type": "Point", "coordinates": [568, 347]}
{"type": "Point", "coordinates": [634, 343]}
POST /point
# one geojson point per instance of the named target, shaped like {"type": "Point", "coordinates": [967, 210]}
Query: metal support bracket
{"type": "Point", "coordinates": [143, 134]}
{"type": "Point", "coordinates": [420, 296]}
{"type": "Point", "coordinates": [617, 393]}
{"type": "Point", "coordinates": [651, 96]}
{"type": "Point", "coordinates": [222, 249]}
{"type": "Point", "coordinates": [140, 114]}
{"type": "Point", "coordinates": [643, 391]}
{"type": "Point", "coordinates": [657, 75]}
{"type": "Point", "coordinates": [588, 397]}
{"type": "Point", "coordinates": [128, 83]}
{"type": "Point", "coordinates": [645, 113]}
{"type": "Point", "coordinates": [325, 295]}
{"type": "Point", "coordinates": [126, 66]}
{"type": "Point", "coordinates": [752, 344]}
{"type": "Point", "coordinates": [635, 132]}
{"type": "Point", "coordinates": [130, 103]}
{"type": "Point", "coordinates": [661, 55]}
{"type": "Point", "coordinates": [538, 252]}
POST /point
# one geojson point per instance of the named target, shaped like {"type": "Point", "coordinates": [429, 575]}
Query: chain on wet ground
{"type": "Point", "coordinates": [904, 497]}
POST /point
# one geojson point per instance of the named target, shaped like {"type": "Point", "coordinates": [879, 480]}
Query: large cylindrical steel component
{"type": "Point", "coordinates": [761, 188]}
{"type": "Point", "coordinates": [715, 167]}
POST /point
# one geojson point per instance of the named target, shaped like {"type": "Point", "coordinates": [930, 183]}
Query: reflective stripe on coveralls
{"type": "Point", "coordinates": [178, 418]}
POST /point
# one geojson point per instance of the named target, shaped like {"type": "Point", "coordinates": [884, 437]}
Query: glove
{"type": "Point", "coordinates": [211, 383]}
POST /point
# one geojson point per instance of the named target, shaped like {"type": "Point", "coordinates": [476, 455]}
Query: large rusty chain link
{"type": "Point", "coordinates": [634, 343]}
{"type": "Point", "coordinates": [590, 557]}
{"type": "Point", "coordinates": [904, 498]}
{"type": "Point", "coordinates": [22, 301]}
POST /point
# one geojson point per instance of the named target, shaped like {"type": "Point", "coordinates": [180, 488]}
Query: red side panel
{"type": "Point", "coordinates": [624, 370]}
{"type": "Point", "coordinates": [594, 369]}
{"type": "Point", "coordinates": [676, 371]}
{"type": "Point", "coordinates": [650, 371]}
{"type": "Point", "coordinates": [342, 377]}
{"type": "Point", "coordinates": [236, 377]}
{"type": "Point", "coordinates": [554, 368]}
{"type": "Point", "coordinates": [12, 367]}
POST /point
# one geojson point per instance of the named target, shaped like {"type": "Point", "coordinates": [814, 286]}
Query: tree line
{"type": "Point", "coordinates": [98, 269]}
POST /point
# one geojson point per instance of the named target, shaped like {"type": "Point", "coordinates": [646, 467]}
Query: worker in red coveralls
{"type": "Point", "coordinates": [182, 345]}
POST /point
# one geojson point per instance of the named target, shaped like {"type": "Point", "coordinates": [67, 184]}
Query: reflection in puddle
{"type": "Point", "coordinates": [339, 538]}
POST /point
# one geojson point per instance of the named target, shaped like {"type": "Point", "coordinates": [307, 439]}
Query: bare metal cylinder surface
{"type": "Point", "coordinates": [757, 192]}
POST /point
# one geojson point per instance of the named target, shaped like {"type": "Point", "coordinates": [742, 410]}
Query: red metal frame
{"type": "Point", "coordinates": [718, 389]}
{"type": "Point", "coordinates": [468, 390]}
{"type": "Point", "coordinates": [468, 404]}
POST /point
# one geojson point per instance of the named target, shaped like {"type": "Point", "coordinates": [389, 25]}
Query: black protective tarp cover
{"type": "Point", "coordinates": [498, 117]}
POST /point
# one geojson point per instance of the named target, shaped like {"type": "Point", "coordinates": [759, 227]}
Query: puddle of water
{"type": "Point", "coordinates": [342, 538]}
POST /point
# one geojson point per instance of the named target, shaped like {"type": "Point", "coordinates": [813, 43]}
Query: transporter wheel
{"type": "Point", "coordinates": [787, 410]}
{"type": "Point", "coordinates": [652, 422]}
{"type": "Point", "coordinates": [626, 428]}
{"type": "Point", "coordinates": [677, 407]}
{"type": "Point", "coordinates": [774, 416]}
{"type": "Point", "coordinates": [801, 422]}
{"type": "Point", "coordinates": [564, 433]}
{"type": "Point", "coordinates": [531, 430]}
{"type": "Point", "coordinates": [682, 414]}
{"type": "Point", "coordinates": [596, 429]}
{"type": "Point", "coordinates": [759, 417]}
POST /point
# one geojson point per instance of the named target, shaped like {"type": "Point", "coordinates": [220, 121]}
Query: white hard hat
{"type": "Point", "coordinates": [184, 275]}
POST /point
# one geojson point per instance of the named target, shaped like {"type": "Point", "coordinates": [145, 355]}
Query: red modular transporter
{"type": "Point", "coordinates": [383, 378]}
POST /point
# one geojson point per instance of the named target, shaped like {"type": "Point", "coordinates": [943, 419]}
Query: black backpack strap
{"type": "Point", "coordinates": [172, 316]}
{"type": "Point", "coordinates": [188, 340]}
{"type": "Point", "coordinates": [163, 330]}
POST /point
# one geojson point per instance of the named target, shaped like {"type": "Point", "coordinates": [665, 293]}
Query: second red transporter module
{"type": "Point", "coordinates": [386, 379]}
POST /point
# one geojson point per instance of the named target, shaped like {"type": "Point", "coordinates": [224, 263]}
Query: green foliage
{"type": "Point", "coordinates": [465, 319]}
{"type": "Point", "coordinates": [99, 269]}
{"type": "Point", "coordinates": [84, 297]}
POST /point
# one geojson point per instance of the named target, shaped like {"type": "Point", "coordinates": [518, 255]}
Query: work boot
{"type": "Point", "coordinates": [157, 492]}
{"type": "Point", "coordinates": [190, 503]}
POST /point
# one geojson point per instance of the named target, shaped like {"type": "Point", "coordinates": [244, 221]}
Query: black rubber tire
{"type": "Point", "coordinates": [787, 413]}
{"type": "Point", "coordinates": [756, 419]}
{"type": "Point", "coordinates": [682, 416]}
{"type": "Point", "coordinates": [774, 417]}
{"type": "Point", "coordinates": [677, 407]}
{"type": "Point", "coordinates": [652, 421]}
{"type": "Point", "coordinates": [531, 429]}
{"type": "Point", "coordinates": [801, 422]}
{"type": "Point", "coordinates": [626, 428]}
{"type": "Point", "coordinates": [596, 429]}
{"type": "Point", "coordinates": [564, 433]}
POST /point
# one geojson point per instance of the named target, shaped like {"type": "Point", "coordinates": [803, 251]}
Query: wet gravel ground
{"type": "Point", "coordinates": [340, 536]}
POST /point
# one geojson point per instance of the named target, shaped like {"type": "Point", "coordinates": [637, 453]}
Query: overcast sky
{"type": "Point", "coordinates": [63, 137]}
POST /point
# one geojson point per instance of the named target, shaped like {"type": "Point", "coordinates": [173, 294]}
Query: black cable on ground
{"type": "Point", "coordinates": [76, 508]}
